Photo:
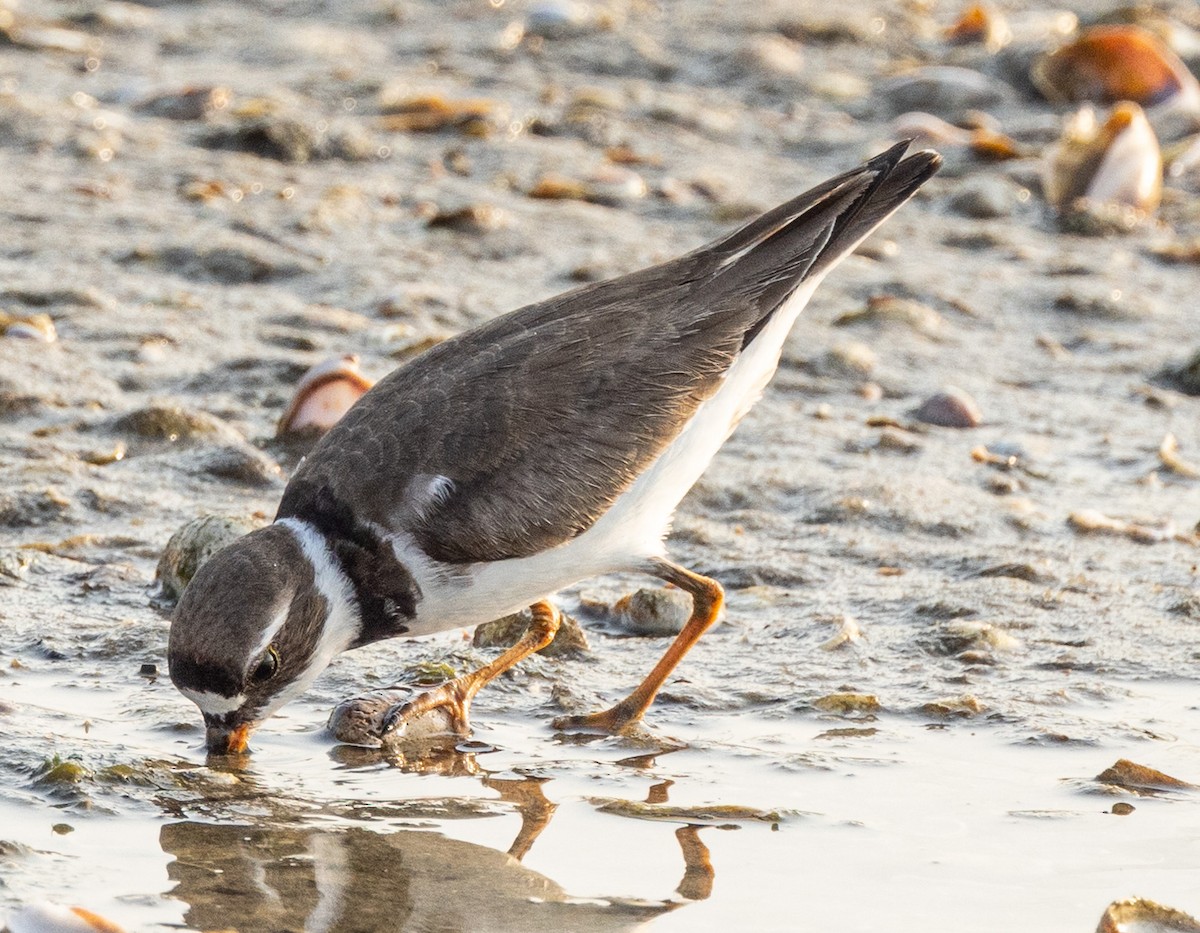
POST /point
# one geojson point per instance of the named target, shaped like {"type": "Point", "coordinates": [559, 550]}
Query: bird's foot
{"type": "Point", "coordinates": [623, 719]}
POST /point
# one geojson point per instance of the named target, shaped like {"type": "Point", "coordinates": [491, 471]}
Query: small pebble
{"type": "Point", "coordinates": [504, 632]}
{"type": "Point", "coordinates": [984, 199]}
{"type": "Point", "coordinates": [191, 546]}
{"type": "Point", "coordinates": [1122, 809]}
{"type": "Point", "coordinates": [654, 612]}
{"type": "Point", "coordinates": [945, 91]}
{"type": "Point", "coordinates": [950, 408]}
{"type": "Point", "coordinates": [560, 19]}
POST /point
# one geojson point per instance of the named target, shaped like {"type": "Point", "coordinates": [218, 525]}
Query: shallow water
{"type": "Point", "coordinates": [1011, 657]}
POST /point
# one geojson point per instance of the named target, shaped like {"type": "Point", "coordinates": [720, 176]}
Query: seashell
{"type": "Point", "coordinates": [1138, 913]}
{"type": "Point", "coordinates": [1117, 162]}
{"type": "Point", "coordinates": [323, 395]}
{"type": "Point", "coordinates": [950, 408]}
{"type": "Point", "coordinates": [432, 112]}
{"type": "Point", "coordinates": [34, 327]}
{"type": "Point", "coordinates": [980, 23]}
{"type": "Point", "coordinates": [1107, 64]}
{"type": "Point", "coordinates": [927, 130]}
{"type": "Point", "coordinates": [611, 185]}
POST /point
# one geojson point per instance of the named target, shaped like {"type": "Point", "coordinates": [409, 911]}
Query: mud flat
{"type": "Point", "coordinates": [958, 535]}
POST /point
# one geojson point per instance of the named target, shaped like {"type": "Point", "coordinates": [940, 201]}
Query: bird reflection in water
{"type": "Point", "coordinates": [319, 879]}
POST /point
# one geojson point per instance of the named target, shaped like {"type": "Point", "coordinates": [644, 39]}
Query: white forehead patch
{"type": "Point", "coordinates": [213, 704]}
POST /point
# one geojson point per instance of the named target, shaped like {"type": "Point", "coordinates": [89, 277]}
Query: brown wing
{"type": "Point", "coordinates": [542, 417]}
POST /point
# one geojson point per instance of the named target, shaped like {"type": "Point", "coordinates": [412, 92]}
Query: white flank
{"type": "Point", "coordinates": [627, 535]}
{"type": "Point", "coordinates": [342, 624]}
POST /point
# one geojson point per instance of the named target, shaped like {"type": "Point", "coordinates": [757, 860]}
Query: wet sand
{"type": "Point", "coordinates": [1006, 656]}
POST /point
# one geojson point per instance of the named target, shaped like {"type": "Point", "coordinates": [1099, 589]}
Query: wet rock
{"type": "Point", "coordinates": [474, 219]}
{"type": "Point", "coordinates": [944, 90]}
{"type": "Point", "coordinates": [894, 310]}
{"type": "Point", "coordinates": [984, 199]}
{"type": "Point", "coordinates": [848, 703]}
{"type": "Point", "coordinates": [56, 773]}
{"type": "Point", "coordinates": [770, 55]}
{"type": "Point", "coordinates": [1103, 304]}
{"type": "Point", "coordinates": [191, 546]}
{"type": "Point", "coordinates": [1017, 571]}
{"type": "Point", "coordinates": [175, 423]}
{"type": "Point", "coordinates": [236, 264]}
{"type": "Point", "coordinates": [291, 139]}
{"type": "Point", "coordinates": [191, 103]}
{"type": "Point", "coordinates": [236, 463]}
{"type": "Point", "coordinates": [1122, 809]}
{"type": "Point", "coordinates": [950, 408]}
{"type": "Point", "coordinates": [1132, 776]}
{"type": "Point", "coordinates": [1145, 916]}
{"type": "Point", "coordinates": [1186, 376]}
{"type": "Point", "coordinates": [653, 612]}
{"type": "Point", "coordinates": [852, 359]}
{"type": "Point", "coordinates": [14, 565]}
{"type": "Point", "coordinates": [960, 707]}
{"type": "Point", "coordinates": [28, 508]}
{"type": "Point", "coordinates": [568, 641]}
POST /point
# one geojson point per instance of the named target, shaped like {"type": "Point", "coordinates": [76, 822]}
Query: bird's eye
{"type": "Point", "coordinates": [267, 666]}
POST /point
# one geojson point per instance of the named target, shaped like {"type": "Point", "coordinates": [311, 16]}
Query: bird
{"type": "Point", "coordinates": [541, 448]}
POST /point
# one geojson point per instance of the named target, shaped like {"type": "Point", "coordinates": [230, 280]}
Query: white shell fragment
{"type": "Point", "coordinates": [1118, 161]}
{"type": "Point", "coordinates": [323, 395]}
{"type": "Point", "coordinates": [847, 633]}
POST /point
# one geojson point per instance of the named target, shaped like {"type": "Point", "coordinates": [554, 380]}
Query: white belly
{"type": "Point", "coordinates": [629, 533]}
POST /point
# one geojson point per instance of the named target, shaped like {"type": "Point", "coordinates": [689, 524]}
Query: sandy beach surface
{"type": "Point", "coordinates": [939, 642]}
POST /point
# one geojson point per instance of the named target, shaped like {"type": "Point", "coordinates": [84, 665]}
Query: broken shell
{"type": "Point", "coordinates": [1138, 913]}
{"type": "Point", "coordinates": [34, 327]}
{"type": "Point", "coordinates": [1107, 64]}
{"type": "Point", "coordinates": [980, 23]}
{"type": "Point", "coordinates": [1117, 162]}
{"type": "Point", "coordinates": [432, 112]}
{"type": "Point", "coordinates": [324, 394]}
{"type": "Point", "coordinates": [927, 130]}
{"type": "Point", "coordinates": [1168, 453]}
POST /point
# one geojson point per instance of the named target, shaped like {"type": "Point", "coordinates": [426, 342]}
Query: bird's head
{"type": "Point", "coordinates": [256, 625]}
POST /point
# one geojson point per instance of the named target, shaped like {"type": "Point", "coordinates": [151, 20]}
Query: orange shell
{"type": "Point", "coordinates": [1107, 64]}
{"type": "Point", "coordinates": [323, 395]}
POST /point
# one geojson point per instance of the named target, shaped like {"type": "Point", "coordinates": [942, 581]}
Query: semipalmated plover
{"type": "Point", "coordinates": [546, 446]}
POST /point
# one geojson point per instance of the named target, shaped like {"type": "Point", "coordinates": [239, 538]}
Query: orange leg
{"type": "Point", "coordinates": [707, 599]}
{"type": "Point", "coordinates": [455, 696]}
